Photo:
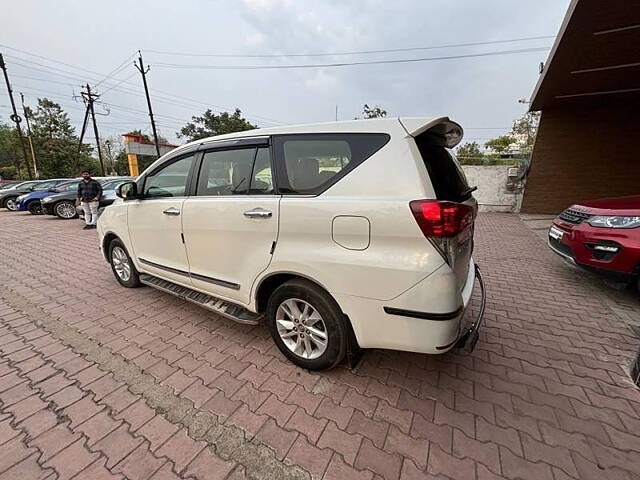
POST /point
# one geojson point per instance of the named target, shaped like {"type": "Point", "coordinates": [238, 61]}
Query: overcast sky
{"type": "Point", "coordinates": [480, 93]}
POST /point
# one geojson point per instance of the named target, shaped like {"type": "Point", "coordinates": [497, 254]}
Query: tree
{"type": "Point", "coordinates": [501, 144]}
{"type": "Point", "coordinates": [526, 128]}
{"type": "Point", "coordinates": [373, 112]}
{"type": "Point", "coordinates": [57, 144]}
{"type": "Point", "coordinates": [210, 124]}
{"type": "Point", "coordinates": [469, 154]}
{"type": "Point", "coordinates": [11, 158]}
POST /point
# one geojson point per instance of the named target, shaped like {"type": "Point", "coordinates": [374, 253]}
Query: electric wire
{"type": "Point", "coordinates": [361, 52]}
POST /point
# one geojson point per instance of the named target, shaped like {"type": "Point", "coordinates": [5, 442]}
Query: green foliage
{"type": "Point", "coordinates": [500, 144]}
{"type": "Point", "coordinates": [210, 124]}
{"type": "Point", "coordinates": [526, 127]}
{"type": "Point", "coordinates": [56, 143]}
{"type": "Point", "coordinates": [373, 112]}
{"type": "Point", "coordinates": [11, 159]}
{"type": "Point", "coordinates": [121, 163]}
{"type": "Point", "coordinates": [469, 154]}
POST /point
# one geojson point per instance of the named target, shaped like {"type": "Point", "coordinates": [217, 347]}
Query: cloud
{"type": "Point", "coordinates": [257, 38]}
{"type": "Point", "coordinates": [321, 80]}
{"type": "Point", "coordinates": [266, 4]}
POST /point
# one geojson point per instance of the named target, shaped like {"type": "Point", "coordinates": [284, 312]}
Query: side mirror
{"type": "Point", "coordinates": [127, 191]}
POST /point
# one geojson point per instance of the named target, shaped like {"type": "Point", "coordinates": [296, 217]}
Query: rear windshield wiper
{"type": "Point", "coordinates": [468, 191]}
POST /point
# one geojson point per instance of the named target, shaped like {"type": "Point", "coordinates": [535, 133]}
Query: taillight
{"type": "Point", "coordinates": [441, 218]}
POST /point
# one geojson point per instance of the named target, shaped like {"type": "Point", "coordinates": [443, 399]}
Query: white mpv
{"type": "Point", "coordinates": [338, 236]}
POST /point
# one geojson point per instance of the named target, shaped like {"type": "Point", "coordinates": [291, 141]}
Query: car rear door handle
{"type": "Point", "coordinates": [258, 213]}
{"type": "Point", "coordinates": [171, 211]}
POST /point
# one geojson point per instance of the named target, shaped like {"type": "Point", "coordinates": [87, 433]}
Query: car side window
{"type": "Point", "coordinates": [308, 164]}
{"type": "Point", "coordinates": [169, 181]}
{"type": "Point", "coordinates": [262, 177]}
{"type": "Point", "coordinates": [226, 172]}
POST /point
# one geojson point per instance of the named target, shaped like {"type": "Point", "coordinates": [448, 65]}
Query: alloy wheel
{"type": "Point", "coordinates": [11, 204]}
{"type": "Point", "coordinates": [121, 263]}
{"type": "Point", "coordinates": [301, 328]}
{"type": "Point", "coordinates": [66, 210]}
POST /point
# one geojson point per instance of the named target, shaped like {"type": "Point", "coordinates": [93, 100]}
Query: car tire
{"type": "Point", "coordinates": [299, 340]}
{"type": "Point", "coordinates": [10, 204]}
{"type": "Point", "coordinates": [35, 207]}
{"type": "Point", "coordinates": [122, 266]}
{"type": "Point", "coordinates": [65, 210]}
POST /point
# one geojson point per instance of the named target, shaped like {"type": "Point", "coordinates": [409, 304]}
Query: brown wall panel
{"type": "Point", "coordinates": [584, 153]}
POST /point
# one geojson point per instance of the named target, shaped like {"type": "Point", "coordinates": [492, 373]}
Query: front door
{"type": "Point", "coordinates": [155, 221]}
{"type": "Point", "coordinates": [231, 224]}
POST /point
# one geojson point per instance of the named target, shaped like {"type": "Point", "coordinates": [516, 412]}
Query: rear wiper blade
{"type": "Point", "coordinates": [467, 191]}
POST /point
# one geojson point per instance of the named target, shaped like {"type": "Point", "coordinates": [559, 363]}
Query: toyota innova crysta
{"type": "Point", "coordinates": [337, 236]}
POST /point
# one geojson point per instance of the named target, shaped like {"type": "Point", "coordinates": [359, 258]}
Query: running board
{"type": "Point", "coordinates": [221, 307]}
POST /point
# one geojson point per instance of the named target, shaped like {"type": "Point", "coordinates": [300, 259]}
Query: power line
{"type": "Point", "coordinates": [116, 70]}
{"type": "Point", "coordinates": [361, 52]}
{"type": "Point", "coordinates": [100, 75]}
{"type": "Point", "coordinates": [348, 64]}
{"type": "Point", "coordinates": [119, 83]}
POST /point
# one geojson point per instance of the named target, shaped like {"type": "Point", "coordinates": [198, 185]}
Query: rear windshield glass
{"type": "Point", "coordinates": [309, 164]}
{"type": "Point", "coordinates": [447, 177]}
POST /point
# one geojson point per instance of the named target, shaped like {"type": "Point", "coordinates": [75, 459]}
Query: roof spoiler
{"type": "Point", "coordinates": [442, 128]}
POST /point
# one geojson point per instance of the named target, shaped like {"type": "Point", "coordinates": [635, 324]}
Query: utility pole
{"type": "Point", "coordinates": [107, 143]}
{"type": "Point", "coordinates": [143, 72]}
{"type": "Point", "coordinates": [15, 117]}
{"type": "Point", "coordinates": [90, 98]}
{"type": "Point", "coordinates": [29, 137]}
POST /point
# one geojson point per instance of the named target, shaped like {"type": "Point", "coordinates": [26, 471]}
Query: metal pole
{"type": "Point", "coordinates": [142, 70]}
{"type": "Point", "coordinates": [95, 127]}
{"type": "Point", "coordinates": [29, 136]}
{"type": "Point", "coordinates": [15, 117]}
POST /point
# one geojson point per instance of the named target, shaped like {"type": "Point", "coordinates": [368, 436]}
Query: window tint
{"type": "Point", "coordinates": [226, 172]}
{"type": "Point", "coordinates": [262, 178]}
{"type": "Point", "coordinates": [170, 181]}
{"type": "Point", "coordinates": [447, 177]}
{"type": "Point", "coordinates": [312, 163]}
{"type": "Point", "coordinates": [113, 184]}
{"type": "Point", "coordinates": [67, 186]}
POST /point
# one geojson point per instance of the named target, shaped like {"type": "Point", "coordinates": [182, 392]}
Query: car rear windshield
{"type": "Point", "coordinates": [447, 177]}
{"type": "Point", "coordinates": [308, 164]}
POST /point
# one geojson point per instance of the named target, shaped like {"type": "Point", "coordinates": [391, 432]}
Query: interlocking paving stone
{"type": "Point", "coordinates": [546, 393]}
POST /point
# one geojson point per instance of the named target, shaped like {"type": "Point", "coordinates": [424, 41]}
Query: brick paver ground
{"type": "Point", "coordinates": [98, 381]}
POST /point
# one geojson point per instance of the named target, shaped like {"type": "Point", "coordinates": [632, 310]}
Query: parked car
{"type": "Point", "coordinates": [9, 184]}
{"type": "Point", "coordinates": [601, 235]}
{"type": "Point", "coordinates": [8, 197]}
{"type": "Point", "coordinates": [31, 202]}
{"type": "Point", "coordinates": [338, 236]}
{"type": "Point", "coordinates": [108, 195]}
{"type": "Point", "coordinates": [63, 204]}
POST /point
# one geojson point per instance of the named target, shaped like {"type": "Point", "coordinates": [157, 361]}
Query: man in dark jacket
{"type": "Point", "coordinates": [89, 193]}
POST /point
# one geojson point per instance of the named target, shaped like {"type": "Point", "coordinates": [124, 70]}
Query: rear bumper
{"type": "Point", "coordinates": [413, 322]}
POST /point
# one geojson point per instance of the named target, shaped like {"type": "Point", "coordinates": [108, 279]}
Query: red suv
{"type": "Point", "coordinates": [601, 235]}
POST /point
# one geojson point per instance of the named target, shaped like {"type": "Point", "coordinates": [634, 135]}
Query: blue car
{"type": "Point", "coordinates": [31, 201]}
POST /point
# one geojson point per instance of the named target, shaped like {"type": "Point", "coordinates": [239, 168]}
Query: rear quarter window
{"type": "Point", "coordinates": [308, 164]}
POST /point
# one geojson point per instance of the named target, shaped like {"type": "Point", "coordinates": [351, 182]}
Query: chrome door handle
{"type": "Point", "coordinates": [258, 213]}
{"type": "Point", "coordinates": [171, 211]}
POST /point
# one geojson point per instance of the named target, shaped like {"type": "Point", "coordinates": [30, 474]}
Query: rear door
{"type": "Point", "coordinates": [230, 225]}
{"type": "Point", "coordinates": [450, 184]}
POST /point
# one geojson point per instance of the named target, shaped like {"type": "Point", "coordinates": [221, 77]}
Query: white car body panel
{"type": "Point", "coordinates": [223, 244]}
{"type": "Point", "coordinates": [379, 260]}
{"type": "Point", "coordinates": [156, 237]}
